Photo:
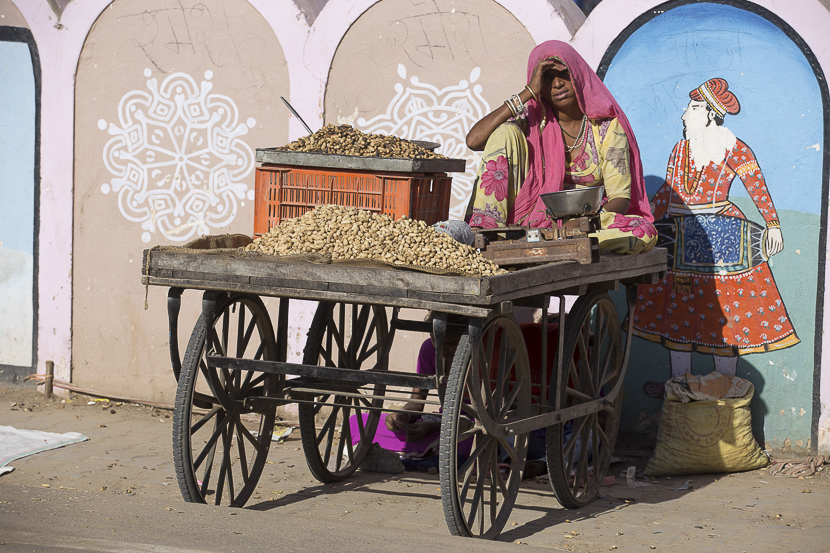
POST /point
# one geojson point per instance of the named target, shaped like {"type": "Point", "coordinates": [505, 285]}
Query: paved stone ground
{"type": "Point", "coordinates": [118, 492]}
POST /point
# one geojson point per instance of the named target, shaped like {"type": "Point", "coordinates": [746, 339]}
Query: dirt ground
{"type": "Point", "coordinates": [118, 492]}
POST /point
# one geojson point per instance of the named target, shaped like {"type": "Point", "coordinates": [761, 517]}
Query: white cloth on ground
{"type": "Point", "coordinates": [16, 443]}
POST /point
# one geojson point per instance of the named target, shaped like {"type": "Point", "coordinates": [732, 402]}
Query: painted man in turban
{"type": "Point", "coordinates": [719, 296]}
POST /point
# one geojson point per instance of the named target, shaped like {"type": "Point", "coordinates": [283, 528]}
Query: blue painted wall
{"type": "Point", "coordinates": [782, 120]}
{"type": "Point", "coordinates": [17, 205]}
{"type": "Point", "coordinates": [17, 146]}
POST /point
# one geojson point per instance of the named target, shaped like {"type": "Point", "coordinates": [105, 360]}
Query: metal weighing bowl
{"type": "Point", "coordinates": [573, 203]}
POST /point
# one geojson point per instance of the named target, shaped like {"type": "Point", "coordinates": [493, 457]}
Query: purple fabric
{"type": "Point", "coordinates": [395, 441]}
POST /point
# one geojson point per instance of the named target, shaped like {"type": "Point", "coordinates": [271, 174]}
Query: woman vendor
{"type": "Point", "coordinates": [563, 130]}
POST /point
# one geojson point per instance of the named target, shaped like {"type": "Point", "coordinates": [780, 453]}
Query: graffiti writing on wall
{"type": "Point", "coordinates": [444, 115]}
{"type": "Point", "coordinates": [199, 28]}
{"type": "Point", "coordinates": [177, 157]}
{"type": "Point", "coordinates": [438, 33]}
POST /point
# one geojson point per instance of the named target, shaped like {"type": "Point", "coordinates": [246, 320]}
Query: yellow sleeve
{"type": "Point", "coordinates": [614, 162]}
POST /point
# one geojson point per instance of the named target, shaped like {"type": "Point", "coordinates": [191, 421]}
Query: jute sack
{"type": "Point", "coordinates": [705, 435]}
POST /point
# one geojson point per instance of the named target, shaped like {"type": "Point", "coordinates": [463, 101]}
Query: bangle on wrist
{"type": "Point", "coordinates": [518, 105]}
{"type": "Point", "coordinates": [532, 94]}
{"type": "Point", "coordinates": [510, 107]}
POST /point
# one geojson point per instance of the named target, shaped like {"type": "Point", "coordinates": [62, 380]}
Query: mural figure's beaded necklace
{"type": "Point", "coordinates": [687, 165]}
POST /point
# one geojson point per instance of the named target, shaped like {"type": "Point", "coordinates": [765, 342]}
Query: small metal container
{"type": "Point", "coordinates": [573, 203]}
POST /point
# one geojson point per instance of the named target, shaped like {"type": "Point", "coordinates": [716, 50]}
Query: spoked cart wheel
{"type": "Point", "coordinates": [579, 450]}
{"type": "Point", "coordinates": [219, 445]}
{"type": "Point", "coordinates": [489, 385]}
{"type": "Point", "coordinates": [347, 336]}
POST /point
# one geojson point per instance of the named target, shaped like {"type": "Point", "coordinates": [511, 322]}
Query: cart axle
{"type": "Point", "coordinates": [334, 374]}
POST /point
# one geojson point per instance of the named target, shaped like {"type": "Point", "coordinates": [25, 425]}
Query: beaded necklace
{"type": "Point", "coordinates": [688, 187]}
{"type": "Point", "coordinates": [578, 138]}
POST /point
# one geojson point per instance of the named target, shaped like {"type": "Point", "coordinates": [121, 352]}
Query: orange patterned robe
{"type": "Point", "coordinates": [714, 307]}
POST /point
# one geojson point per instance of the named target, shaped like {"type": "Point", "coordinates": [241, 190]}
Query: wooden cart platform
{"type": "Point", "coordinates": [236, 370]}
{"type": "Point", "coordinates": [475, 296]}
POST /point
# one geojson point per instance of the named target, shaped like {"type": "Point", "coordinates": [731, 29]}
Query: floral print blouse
{"type": "Point", "coordinates": [601, 159]}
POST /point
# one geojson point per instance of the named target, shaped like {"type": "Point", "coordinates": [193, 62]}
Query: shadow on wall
{"type": "Point", "coordinates": [698, 311]}
{"type": "Point", "coordinates": [653, 184]}
{"type": "Point", "coordinates": [758, 406]}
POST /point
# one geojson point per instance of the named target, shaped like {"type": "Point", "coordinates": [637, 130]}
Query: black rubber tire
{"type": "Point", "coordinates": [199, 388]}
{"type": "Point", "coordinates": [574, 477]}
{"type": "Point", "coordinates": [326, 465]}
{"type": "Point", "coordinates": [464, 405]}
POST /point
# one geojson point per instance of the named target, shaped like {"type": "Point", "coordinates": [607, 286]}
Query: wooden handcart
{"type": "Point", "coordinates": [235, 371]}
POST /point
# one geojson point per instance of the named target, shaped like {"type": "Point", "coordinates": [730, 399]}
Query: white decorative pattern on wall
{"type": "Point", "coordinates": [177, 157]}
{"type": "Point", "coordinates": [422, 111]}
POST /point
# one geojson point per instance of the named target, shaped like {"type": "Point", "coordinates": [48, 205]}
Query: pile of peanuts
{"type": "Point", "coordinates": [350, 233]}
{"type": "Point", "coordinates": [346, 140]}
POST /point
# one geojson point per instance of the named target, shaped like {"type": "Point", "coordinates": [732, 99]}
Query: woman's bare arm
{"type": "Point", "coordinates": [481, 131]}
{"type": "Point", "coordinates": [618, 205]}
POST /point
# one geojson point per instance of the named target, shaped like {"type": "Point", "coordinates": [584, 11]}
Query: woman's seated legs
{"type": "Point", "coordinates": [503, 168]}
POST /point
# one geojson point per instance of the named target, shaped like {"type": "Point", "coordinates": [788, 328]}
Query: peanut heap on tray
{"type": "Point", "coordinates": [350, 233]}
{"type": "Point", "coordinates": [348, 141]}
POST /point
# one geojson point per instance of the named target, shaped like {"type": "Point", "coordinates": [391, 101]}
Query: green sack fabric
{"type": "Point", "coordinates": [705, 437]}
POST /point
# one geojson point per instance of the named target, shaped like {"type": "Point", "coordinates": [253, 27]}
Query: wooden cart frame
{"type": "Point", "coordinates": [235, 367]}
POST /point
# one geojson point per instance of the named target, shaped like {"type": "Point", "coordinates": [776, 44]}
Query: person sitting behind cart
{"type": "Point", "coordinates": [414, 434]}
{"type": "Point", "coordinates": [422, 432]}
{"type": "Point", "coordinates": [562, 131]}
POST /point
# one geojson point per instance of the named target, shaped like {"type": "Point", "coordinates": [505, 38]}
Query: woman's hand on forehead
{"type": "Point", "coordinates": [557, 64]}
{"type": "Point", "coordinates": [550, 63]}
{"type": "Point", "coordinates": [540, 70]}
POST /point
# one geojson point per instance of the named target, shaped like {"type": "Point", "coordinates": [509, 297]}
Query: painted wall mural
{"type": "Point", "coordinates": [177, 157]}
{"type": "Point", "coordinates": [170, 103]}
{"type": "Point", "coordinates": [735, 175]}
{"type": "Point", "coordinates": [422, 111]}
{"type": "Point", "coordinates": [719, 296]}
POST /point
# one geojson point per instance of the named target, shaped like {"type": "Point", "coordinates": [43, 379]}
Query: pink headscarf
{"type": "Point", "coordinates": [596, 102]}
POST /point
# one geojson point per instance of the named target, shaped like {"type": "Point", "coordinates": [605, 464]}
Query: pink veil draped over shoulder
{"type": "Point", "coordinates": [596, 102]}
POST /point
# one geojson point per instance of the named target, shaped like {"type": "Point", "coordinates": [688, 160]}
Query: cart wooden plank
{"type": "Point", "coordinates": [321, 295]}
{"type": "Point", "coordinates": [307, 275]}
{"type": "Point", "coordinates": [611, 271]}
{"type": "Point", "coordinates": [389, 286]}
{"type": "Point", "coordinates": [609, 267]}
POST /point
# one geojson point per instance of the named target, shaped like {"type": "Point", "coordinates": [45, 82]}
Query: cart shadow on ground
{"type": "Point", "coordinates": [536, 508]}
{"type": "Point", "coordinates": [364, 482]}
{"type": "Point", "coordinates": [539, 510]}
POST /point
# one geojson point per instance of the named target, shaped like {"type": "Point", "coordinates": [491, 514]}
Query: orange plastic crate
{"type": "Point", "coordinates": [284, 192]}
